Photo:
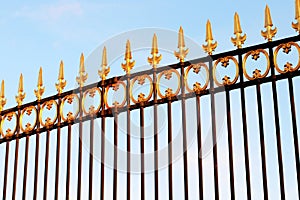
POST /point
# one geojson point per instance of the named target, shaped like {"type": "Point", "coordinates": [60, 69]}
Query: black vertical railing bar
{"type": "Point", "coordinates": [102, 174]}
{"type": "Point", "coordinates": [128, 134]}
{"type": "Point", "coordinates": [155, 117]}
{"type": "Point", "coordinates": [295, 134]}
{"type": "Point", "coordinates": [170, 149]}
{"type": "Point", "coordinates": [46, 164]}
{"type": "Point", "coordinates": [214, 131]}
{"type": "Point", "coordinates": [230, 143]}
{"type": "Point", "coordinates": [5, 171]}
{"type": "Point", "coordinates": [245, 132]}
{"type": "Point", "coordinates": [199, 141]}
{"type": "Point", "coordinates": [69, 139]}
{"type": "Point", "coordinates": [184, 134]}
{"type": "Point", "coordinates": [262, 140]}
{"type": "Point", "coordinates": [16, 156]}
{"type": "Point", "coordinates": [57, 149]}
{"type": "Point", "coordinates": [142, 143]}
{"type": "Point", "coordinates": [25, 167]}
{"type": "Point", "coordinates": [80, 145]}
{"type": "Point", "coordinates": [277, 125]}
{"type": "Point", "coordinates": [91, 157]}
{"type": "Point", "coordinates": [115, 170]}
{"type": "Point", "coordinates": [37, 147]}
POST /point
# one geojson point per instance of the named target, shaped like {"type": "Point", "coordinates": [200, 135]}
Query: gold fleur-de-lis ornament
{"type": "Point", "coordinates": [270, 32]}
{"type": "Point", "coordinates": [155, 59]}
{"type": "Point", "coordinates": [82, 74]}
{"type": "Point", "coordinates": [210, 46]}
{"type": "Point", "coordinates": [239, 39]}
{"type": "Point", "coordinates": [61, 80]}
{"type": "Point", "coordinates": [182, 52]}
{"type": "Point", "coordinates": [128, 65]}
{"type": "Point", "coordinates": [296, 25]}
{"type": "Point", "coordinates": [21, 94]}
{"type": "Point", "coordinates": [104, 67]}
{"type": "Point", "coordinates": [40, 88]}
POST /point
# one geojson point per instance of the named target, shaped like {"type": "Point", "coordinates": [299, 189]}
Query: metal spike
{"type": "Point", "coordinates": [21, 95]}
{"type": "Point", "coordinates": [40, 89]}
{"type": "Point", "coordinates": [155, 59]}
{"type": "Point", "coordinates": [181, 54]}
{"type": "Point", "coordinates": [2, 97]}
{"type": "Point", "coordinates": [239, 40]}
{"type": "Point", "coordinates": [61, 80]}
{"type": "Point", "coordinates": [210, 46]}
{"type": "Point", "coordinates": [104, 68]}
{"type": "Point", "coordinates": [269, 33]}
{"type": "Point", "coordinates": [296, 25]}
{"type": "Point", "coordinates": [82, 74]}
{"type": "Point", "coordinates": [128, 65]}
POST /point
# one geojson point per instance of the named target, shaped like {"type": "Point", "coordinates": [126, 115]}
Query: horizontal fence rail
{"type": "Point", "coordinates": [27, 122]}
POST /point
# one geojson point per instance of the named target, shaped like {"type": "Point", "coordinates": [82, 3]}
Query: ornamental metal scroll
{"type": "Point", "coordinates": [197, 88]}
{"type": "Point", "coordinates": [141, 81]}
{"type": "Point", "coordinates": [225, 64]}
{"type": "Point", "coordinates": [168, 75]}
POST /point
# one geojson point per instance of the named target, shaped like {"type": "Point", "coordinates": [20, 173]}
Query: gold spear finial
{"type": "Point", "coordinates": [296, 25]}
{"type": "Point", "coordinates": [155, 59]}
{"type": "Point", "coordinates": [21, 94]}
{"type": "Point", "coordinates": [61, 80]}
{"type": "Point", "coordinates": [104, 68]}
{"type": "Point", "coordinates": [269, 33]}
{"type": "Point", "coordinates": [40, 89]}
{"type": "Point", "coordinates": [128, 65]}
{"type": "Point", "coordinates": [239, 40]}
{"type": "Point", "coordinates": [82, 74]}
{"type": "Point", "coordinates": [2, 97]}
{"type": "Point", "coordinates": [181, 54]}
{"type": "Point", "coordinates": [210, 46]}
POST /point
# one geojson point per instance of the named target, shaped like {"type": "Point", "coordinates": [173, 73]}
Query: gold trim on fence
{"type": "Point", "coordinates": [210, 46]}
{"type": "Point", "coordinates": [61, 80]}
{"type": "Point", "coordinates": [270, 32]}
{"type": "Point", "coordinates": [155, 59]}
{"type": "Point", "coordinates": [239, 40]}
{"type": "Point", "coordinates": [182, 52]}
{"type": "Point", "coordinates": [196, 86]}
{"type": "Point", "coordinates": [40, 88]}
{"type": "Point", "coordinates": [225, 63]}
{"type": "Point", "coordinates": [288, 67]}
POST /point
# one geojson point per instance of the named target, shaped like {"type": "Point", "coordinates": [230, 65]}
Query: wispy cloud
{"type": "Point", "coordinates": [51, 12]}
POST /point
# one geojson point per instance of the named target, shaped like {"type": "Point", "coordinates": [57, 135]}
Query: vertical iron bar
{"type": "Point", "coordinates": [155, 134]}
{"type": "Point", "coordinates": [91, 157]}
{"type": "Point", "coordinates": [115, 178]}
{"type": "Point", "coordinates": [68, 161]}
{"type": "Point", "coordinates": [46, 164]}
{"type": "Point", "coordinates": [25, 167]}
{"type": "Point", "coordinates": [245, 135]}
{"type": "Point", "coordinates": [200, 167]}
{"type": "Point", "coordinates": [79, 147]}
{"type": "Point", "coordinates": [262, 140]}
{"type": "Point", "coordinates": [214, 132]}
{"type": "Point", "coordinates": [295, 134]}
{"type": "Point", "coordinates": [37, 146]}
{"type": "Point", "coordinates": [230, 145]}
{"type": "Point", "coordinates": [102, 138]}
{"type": "Point", "coordinates": [57, 149]}
{"type": "Point", "coordinates": [170, 149]}
{"type": "Point", "coordinates": [184, 137]}
{"type": "Point", "coordinates": [142, 141]}
{"type": "Point", "coordinates": [277, 125]}
{"type": "Point", "coordinates": [5, 170]}
{"type": "Point", "coordinates": [16, 156]}
{"type": "Point", "coordinates": [128, 134]}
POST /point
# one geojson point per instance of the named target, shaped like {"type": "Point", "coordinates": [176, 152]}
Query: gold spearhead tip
{"type": "Point", "coordinates": [237, 25]}
{"type": "Point", "coordinates": [2, 97]}
{"type": "Point", "coordinates": [40, 78]}
{"type": "Point", "coordinates": [181, 54]}
{"type": "Point", "coordinates": [81, 65]}
{"type": "Point", "coordinates": [239, 40]}
{"type": "Point", "coordinates": [21, 95]}
{"type": "Point", "coordinates": [155, 59]}
{"type": "Point", "coordinates": [82, 74]}
{"type": "Point", "coordinates": [2, 89]}
{"type": "Point", "coordinates": [210, 46]}
{"type": "Point", "coordinates": [61, 71]}
{"type": "Point", "coordinates": [268, 18]}
{"type": "Point", "coordinates": [104, 68]}
{"type": "Point", "coordinates": [128, 65]}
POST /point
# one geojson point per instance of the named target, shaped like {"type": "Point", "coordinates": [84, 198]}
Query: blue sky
{"type": "Point", "coordinates": [35, 33]}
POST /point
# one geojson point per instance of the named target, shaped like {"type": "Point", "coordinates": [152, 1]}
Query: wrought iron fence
{"type": "Point", "coordinates": [103, 109]}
